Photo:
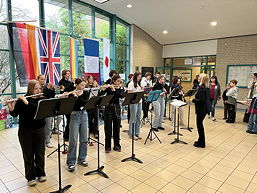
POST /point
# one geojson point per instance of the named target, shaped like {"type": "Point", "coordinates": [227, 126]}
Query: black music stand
{"type": "Point", "coordinates": [97, 102]}
{"type": "Point", "coordinates": [177, 140]}
{"type": "Point", "coordinates": [174, 94]}
{"type": "Point", "coordinates": [189, 94]}
{"type": "Point", "coordinates": [153, 96]}
{"type": "Point", "coordinates": [52, 108]}
{"type": "Point", "coordinates": [132, 98]}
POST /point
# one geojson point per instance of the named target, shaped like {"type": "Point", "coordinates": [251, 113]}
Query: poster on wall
{"type": "Point", "coordinates": [241, 73]}
{"type": "Point", "coordinates": [185, 74]}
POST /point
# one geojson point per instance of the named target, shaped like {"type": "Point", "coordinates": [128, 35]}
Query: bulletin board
{"type": "Point", "coordinates": [185, 74]}
{"type": "Point", "coordinates": [241, 73]}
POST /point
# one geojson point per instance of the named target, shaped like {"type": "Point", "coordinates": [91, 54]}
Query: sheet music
{"type": "Point", "coordinates": [178, 103]}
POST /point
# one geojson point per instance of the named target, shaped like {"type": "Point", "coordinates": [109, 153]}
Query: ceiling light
{"type": "Point", "coordinates": [129, 6]}
{"type": "Point", "coordinates": [165, 32]}
{"type": "Point", "coordinates": [214, 23]}
{"type": "Point", "coordinates": [101, 1]}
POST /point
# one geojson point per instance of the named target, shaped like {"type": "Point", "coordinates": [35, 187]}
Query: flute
{"type": "Point", "coordinates": [34, 95]}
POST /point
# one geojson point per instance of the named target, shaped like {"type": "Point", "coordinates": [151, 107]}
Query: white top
{"type": "Point", "coordinates": [144, 82]}
{"type": "Point", "coordinates": [232, 92]}
{"type": "Point", "coordinates": [133, 89]}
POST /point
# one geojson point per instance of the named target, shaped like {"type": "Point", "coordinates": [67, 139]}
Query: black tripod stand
{"type": "Point", "coordinates": [153, 96]}
{"type": "Point", "coordinates": [97, 102]}
{"type": "Point", "coordinates": [174, 125]}
{"type": "Point", "coordinates": [189, 94]}
{"type": "Point", "coordinates": [64, 145]}
{"type": "Point", "coordinates": [51, 108]}
{"type": "Point", "coordinates": [132, 98]}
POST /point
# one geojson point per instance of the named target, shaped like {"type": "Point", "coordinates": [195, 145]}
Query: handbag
{"type": "Point", "coordinates": [246, 116]}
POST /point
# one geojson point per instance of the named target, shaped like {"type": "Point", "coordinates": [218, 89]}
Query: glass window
{"type": "Point", "coordinates": [211, 60]}
{"type": "Point", "coordinates": [121, 33]}
{"type": "Point", "coordinates": [82, 20]}
{"type": "Point", "coordinates": [65, 62]}
{"type": "Point", "coordinates": [57, 15]}
{"type": "Point", "coordinates": [3, 10]}
{"type": "Point", "coordinates": [25, 10]}
{"type": "Point", "coordinates": [4, 37]}
{"type": "Point", "coordinates": [5, 80]}
{"type": "Point", "coordinates": [102, 26]}
{"type": "Point", "coordinates": [64, 45]}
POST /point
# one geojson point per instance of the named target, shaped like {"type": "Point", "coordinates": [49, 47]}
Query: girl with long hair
{"type": "Point", "coordinates": [215, 95]}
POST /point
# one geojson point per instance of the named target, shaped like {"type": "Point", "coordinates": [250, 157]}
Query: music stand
{"type": "Point", "coordinates": [98, 102]}
{"type": "Point", "coordinates": [153, 96]}
{"type": "Point", "coordinates": [54, 107]}
{"type": "Point", "coordinates": [132, 98]}
{"type": "Point", "coordinates": [173, 94]}
{"type": "Point", "coordinates": [189, 94]}
{"type": "Point", "coordinates": [178, 104]}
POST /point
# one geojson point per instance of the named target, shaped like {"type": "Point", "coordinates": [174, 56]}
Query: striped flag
{"type": "Point", "coordinates": [91, 58]}
{"type": "Point", "coordinates": [106, 58]}
{"type": "Point", "coordinates": [74, 63]}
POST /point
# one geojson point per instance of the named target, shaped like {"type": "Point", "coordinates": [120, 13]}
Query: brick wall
{"type": "Point", "coordinates": [145, 51]}
{"type": "Point", "coordinates": [237, 50]}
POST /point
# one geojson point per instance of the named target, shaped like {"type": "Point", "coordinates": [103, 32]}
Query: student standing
{"type": "Point", "coordinates": [112, 114]}
{"type": "Point", "coordinates": [31, 133]}
{"type": "Point", "coordinates": [202, 107]}
{"type": "Point", "coordinates": [78, 127]}
{"type": "Point", "coordinates": [232, 96]}
{"type": "Point", "coordinates": [225, 99]}
{"type": "Point", "coordinates": [135, 109]}
{"type": "Point", "coordinates": [215, 95]}
{"type": "Point", "coordinates": [252, 123]}
{"type": "Point", "coordinates": [159, 105]}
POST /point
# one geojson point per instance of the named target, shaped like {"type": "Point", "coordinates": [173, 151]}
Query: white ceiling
{"type": "Point", "coordinates": [187, 20]}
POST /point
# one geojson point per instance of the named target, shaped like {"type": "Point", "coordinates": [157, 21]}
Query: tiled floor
{"type": "Point", "coordinates": [228, 164]}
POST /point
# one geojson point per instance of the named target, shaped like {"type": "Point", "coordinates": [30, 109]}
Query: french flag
{"type": "Point", "coordinates": [91, 58]}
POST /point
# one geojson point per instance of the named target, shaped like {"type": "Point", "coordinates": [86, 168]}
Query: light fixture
{"type": "Point", "coordinates": [101, 1]}
{"type": "Point", "coordinates": [129, 6]}
{"type": "Point", "coordinates": [165, 32]}
{"type": "Point", "coordinates": [214, 23]}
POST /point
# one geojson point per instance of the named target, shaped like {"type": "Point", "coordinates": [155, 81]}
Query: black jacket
{"type": "Point", "coordinates": [224, 96]}
{"type": "Point", "coordinates": [117, 94]}
{"type": "Point", "coordinates": [202, 100]}
{"type": "Point", "coordinates": [27, 113]}
{"type": "Point", "coordinates": [68, 85]}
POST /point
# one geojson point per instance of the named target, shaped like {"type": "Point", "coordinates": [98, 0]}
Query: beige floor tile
{"type": "Point", "coordinates": [17, 183]}
{"type": "Point", "coordinates": [114, 188]}
{"type": "Point", "coordinates": [128, 182]}
{"type": "Point", "coordinates": [237, 182]}
{"type": "Point", "coordinates": [117, 175]}
{"type": "Point", "coordinates": [227, 188]}
{"type": "Point", "coordinates": [26, 189]}
{"type": "Point", "coordinates": [85, 188]}
{"type": "Point", "coordinates": [3, 189]}
{"type": "Point", "coordinates": [252, 188]}
{"type": "Point", "coordinates": [128, 169]}
{"type": "Point", "coordinates": [198, 188]}
{"type": "Point", "coordinates": [11, 176]}
{"type": "Point", "coordinates": [141, 175]}
{"type": "Point", "coordinates": [210, 182]}
{"type": "Point", "coordinates": [152, 169]}
{"type": "Point", "coordinates": [166, 175]}
{"type": "Point", "coordinates": [143, 188]}
{"type": "Point", "coordinates": [183, 182]}
{"type": "Point", "coordinates": [192, 175]}
{"type": "Point", "coordinates": [101, 183]}
{"type": "Point", "coordinates": [156, 182]}
{"type": "Point", "coordinates": [217, 175]}
{"type": "Point", "coordinates": [172, 188]}
{"type": "Point", "coordinates": [176, 169]}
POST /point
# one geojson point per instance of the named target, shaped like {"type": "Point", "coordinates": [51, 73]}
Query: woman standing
{"type": "Point", "coordinates": [31, 133]}
{"type": "Point", "coordinates": [159, 105]}
{"type": "Point", "coordinates": [202, 107]}
{"type": "Point", "coordinates": [135, 109]}
{"type": "Point", "coordinates": [78, 126]}
{"type": "Point", "coordinates": [112, 114]}
{"type": "Point", "coordinates": [215, 95]}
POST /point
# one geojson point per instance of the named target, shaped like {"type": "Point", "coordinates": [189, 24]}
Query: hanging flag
{"type": "Point", "coordinates": [23, 43]}
{"type": "Point", "coordinates": [91, 58]}
{"type": "Point", "coordinates": [106, 58]}
{"type": "Point", "coordinates": [49, 49]}
{"type": "Point", "coordinates": [3, 114]}
{"type": "Point", "coordinates": [74, 63]}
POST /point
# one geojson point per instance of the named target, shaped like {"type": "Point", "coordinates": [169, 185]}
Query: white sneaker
{"type": "Point", "coordinates": [42, 178]}
{"type": "Point", "coordinates": [32, 183]}
{"type": "Point", "coordinates": [71, 168]}
{"type": "Point", "coordinates": [49, 145]}
{"type": "Point", "coordinates": [213, 119]}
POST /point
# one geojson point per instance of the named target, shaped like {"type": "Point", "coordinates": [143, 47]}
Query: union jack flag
{"type": "Point", "coordinates": [49, 49]}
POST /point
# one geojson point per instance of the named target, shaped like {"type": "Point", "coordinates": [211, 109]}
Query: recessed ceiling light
{"type": "Point", "coordinates": [101, 1]}
{"type": "Point", "coordinates": [214, 23]}
{"type": "Point", "coordinates": [165, 32]}
{"type": "Point", "coordinates": [129, 6]}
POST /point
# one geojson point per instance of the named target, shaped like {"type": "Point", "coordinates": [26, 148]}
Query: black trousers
{"type": "Point", "coordinates": [112, 123]}
{"type": "Point", "coordinates": [231, 112]}
{"type": "Point", "coordinates": [128, 115]}
{"type": "Point", "coordinates": [33, 150]}
{"type": "Point", "coordinates": [93, 120]}
{"type": "Point", "coordinates": [226, 110]}
{"type": "Point", "coordinates": [200, 128]}
{"type": "Point", "coordinates": [67, 130]}
{"type": "Point", "coordinates": [145, 107]}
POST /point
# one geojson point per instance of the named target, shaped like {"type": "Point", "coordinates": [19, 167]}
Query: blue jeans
{"type": "Point", "coordinates": [158, 107]}
{"type": "Point", "coordinates": [135, 116]}
{"type": "Point", "coordinates": [78, 126]}
{"type": "Point", "coordinates": [213, 104]}
{"type": "Point", "coordinates": [252, 123]}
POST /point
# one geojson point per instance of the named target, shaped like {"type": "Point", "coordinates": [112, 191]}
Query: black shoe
{"type": "Point", "coordinates": [199, 145]}
{"type": "Point", "coordinates": [155, 129]}
{"type": "Point", "coordinates": [118, 149]}
{"type": "Point", "coordinates": [161, 128]}
{"type": "Point", "coordinates": [248, 131]}
{"type": "Point", "coordinates": [230, 121]}
{"type": "Point", "coordinates": [225, 118]}
{"type": "Point", "coordinates": [251, 132]}
{"type": "Point", "coordinates": [108, 150]}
